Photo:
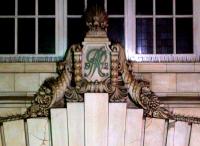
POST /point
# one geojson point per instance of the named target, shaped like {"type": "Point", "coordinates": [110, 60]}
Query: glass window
{"type": "Point", "coordinates": [144, 36]}
{"type": "Point", "coordinates": [115, 7]}
{"type": "Point", "coordinates": [7, 7]}
{"type": "Point", "coordinates": [26, 7]}
{"type": "Point", "coordinates": [170, 27]}
{"type": "Point", "coordinates": [46, 36]}
{"type": "Point", "coordinates": [27, 27]}
{"type": "Point", "coordinates": [7, 29]}
{"type": "Point", "coordinates": [116, 30]}
{"type": "Point", "coordinates": [26, 36]}
{"type": "Point", "coordinates": [164, 7]}
{"type": "Point", "coordinates": [46, 7]}
{"type": "Point", "coordinates": [184, 35]}
{"type": "Point", "coordinates": [75, 7]}
{"type": "Point", "coordinates": [144, 7]}
{"type": "Point", "coordinates": [164, 36]}
{"type": "Point", "coordinates": [184, 7]}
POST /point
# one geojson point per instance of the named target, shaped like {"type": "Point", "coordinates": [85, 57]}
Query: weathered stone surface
{"type": "Point", "coordinates": [12, 67]}
{"type": "Point", "coordinates": [26, 82]}
{"type": "Point", "coordinates": [38, 132]}
{"type": "Point", "coordinates": [195, 135]}
{"type": "Point", "coordinates": [165, 82]}
{"type": "Point", "coordinates": [14, 133]}
{"type": "Point", "coordinates": [40, 67]}
{"type": "Point", "coordinates": [6, 82]}
{"type": "Point", "coordinates": [96, 119]}
{"type": "Point", "coordinates": [117, 122]}
{"type": "Point", "coordinates": [188, 82]}
{"type": "Point", "coordinates": [134, 127]}
{"type": "Point", "coordinates": [154, 132]}
{"type": "Point", "coordinates": [75, 112]}
{"type": "Point", "coordinates": [59, 125]}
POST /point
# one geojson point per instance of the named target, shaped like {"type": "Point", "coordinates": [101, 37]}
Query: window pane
{"type": "Point", "coordinates": [76, 30]}
{"type": "Point", "coordinates": [26, 36]}
{"type": "Point", "coordinates": [93, 3]}
{"type": "Point", "coordinates": [75, 7]}
{"type": "Point", "coordinates": [115, 7]}
{"type": "Point", "coordinates": [26, 7]}
{"type": "Point", "coordinates": [46, 36]}
{"type": "Point", "coordinates": [144, 35]}
{"type": "Point", "coordinates": [46, 7]}
{"type": "Point", "coordinates": [116, 30]}
{"type": "Point", "coordinates": [7, 7]}
{"type": "Point", "coordinates": [184, 35]}
{"type": "Point", "coordinates": [7, 30]}
{"type": "Point", "coordinates": [144, 7]}
{"type": "Point", "coordinates": [184, 7]}
{"type": "Point", "coordinates": [164, 7]}
{"type": "Point", "coordinates": [164, 36]}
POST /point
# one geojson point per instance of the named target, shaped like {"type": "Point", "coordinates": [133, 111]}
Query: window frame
{"type": "Point", "coordinates": [130, 35]}
{"type": "Point", "coordinates": [60, 45]}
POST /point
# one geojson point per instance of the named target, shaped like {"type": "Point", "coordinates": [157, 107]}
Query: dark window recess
{"type": "Point", "coordinates": [7, 7]}
{"type": "Point", "coordinates": [184, 7]}
{"type": "Point", "coordinates": [76, 30]}
{"type": "Point", "coordinates": [7, 34]}
{"type": "Point", "coordinates": [184, 35]}
{"type": "Point", "coordinates": [164, 7]}
{"type": "Point", "coordinates": [46, 36]}
{"type": "Point", "coordinates": [26, 36]}
{"type": "Point", "coordinates": [75, 7]}
{"type": "Point", "coordinates": [116, 30]}
{"type": "Point", "coordinates": [46, 7]}
{"type": "Point", "coordinates": [115, 7]}
{"type": "Point", "coordinates": [164, 36]}
{"type": "Point", "coordinates": [144, 35]}
{"type": "Point", "coordinates": [144, 7]}
{"type": "Point", "coordinates": [26, 7]}
{"type": "Point", "coordinates": [92, 3]}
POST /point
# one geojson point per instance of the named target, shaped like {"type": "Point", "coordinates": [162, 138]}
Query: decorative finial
{"type": "Point", "coordinates": [96, 19]}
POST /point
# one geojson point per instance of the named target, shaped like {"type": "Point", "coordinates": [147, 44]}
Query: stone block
{"type": "Point", "coordinates": [154, 132]}
{"type": "Point", "coordinates": [12, 67]}
{"type": "Point", "coordinates": [188, 82]}
{"type": "Point", "coordinates": [14, 133]}
{"type": "Point", "coordinates": [117, 123]}
{"type": "Point", "coordinates": [59, 125]}
{"type": "Point", "coordinates": [134, 127]}
{"type": "Point", "coordinates": [180, 67]}
{"type": "Point", "coordinates": [164, 82]}
{"type": "Point", "coordinates": [6, 82]}
{"type": "Point", "coordinates": [26, 82]}
{"type": "Point", "coordinates": [40, 67]}
{"type": "Point", "coordinates": [75, 112]}
{"type": "Point", "coordinates": [38, 132]}
{"type": "Point", "coordinates": [152, 67]}
{"type": "Point", "coordinates": [96, 119]}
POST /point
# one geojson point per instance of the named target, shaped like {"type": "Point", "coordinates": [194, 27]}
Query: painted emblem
{"type": "Point", "coordinates": [96, 64]}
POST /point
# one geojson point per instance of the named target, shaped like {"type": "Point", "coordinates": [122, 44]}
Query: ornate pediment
{"type": "Point", "coordinates": [97, 66]}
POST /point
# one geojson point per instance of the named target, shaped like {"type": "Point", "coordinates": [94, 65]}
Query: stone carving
{"type": "Point", "coordinates": [71, 84]}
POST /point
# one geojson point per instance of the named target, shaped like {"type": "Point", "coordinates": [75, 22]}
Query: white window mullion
{"type": "Point", "coordinates": [196, 27]}
{"type": "Point", "coordinates": [174, 27]}
{"type": "Point", "coordinates": [106, 5]}
{"type": "Point", "coordinates": [16, 25]}
{"type": "Point", "coordinates": [85, 4]}
{"type": "Point", "coordinates": [64, 26]}
{"type": "Point", "coordinates": [130, 28]}
{"type": "Point", "coordinates": [36, 27]}
{"type": "Point", "coordinates": [154, 27]}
